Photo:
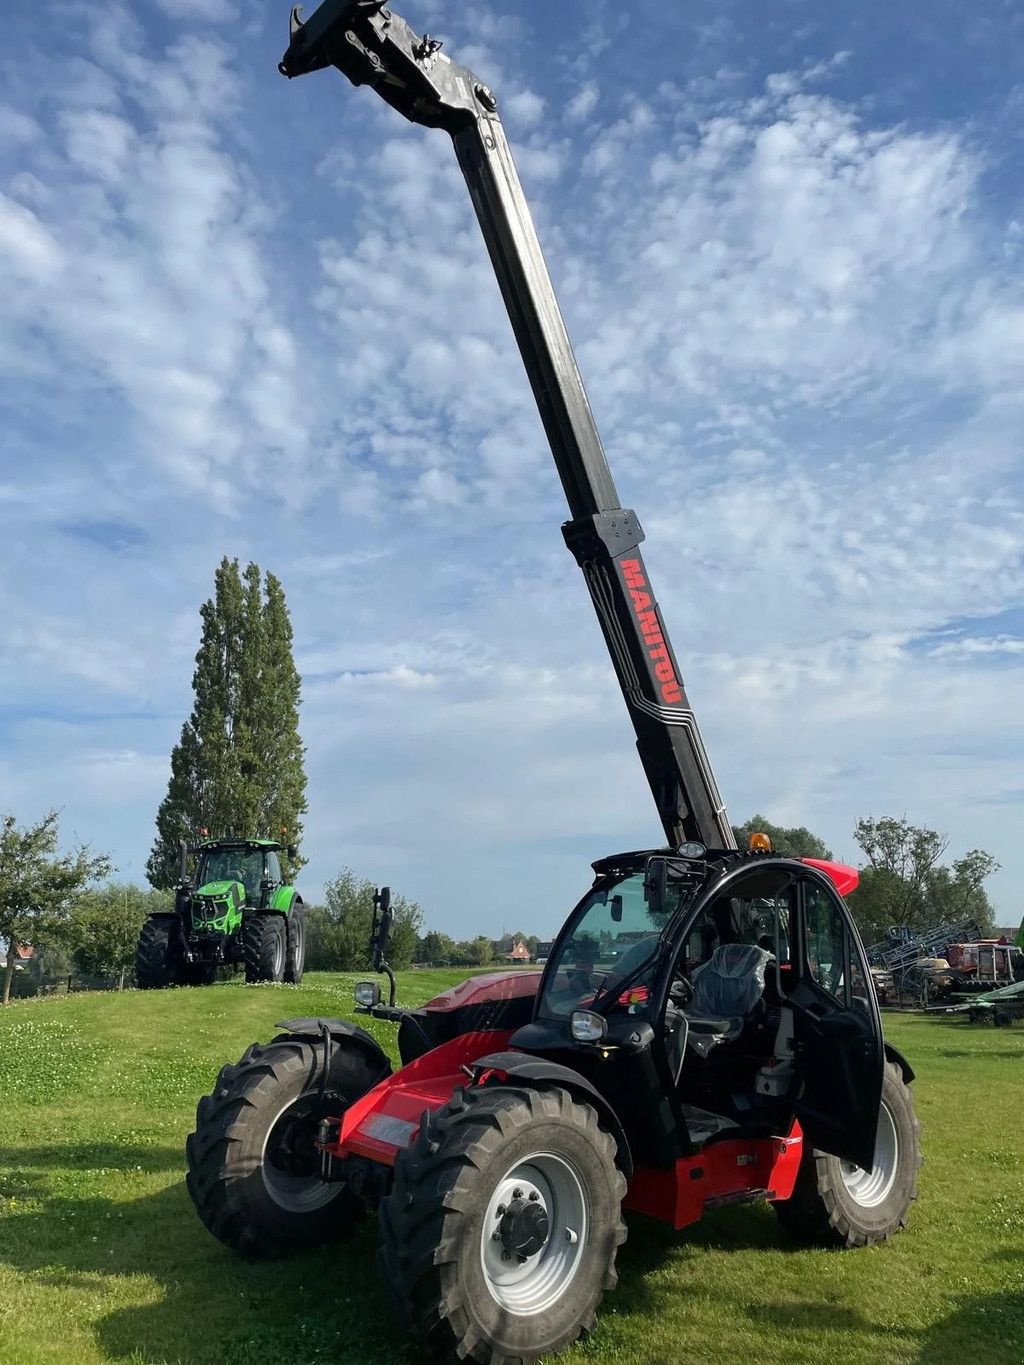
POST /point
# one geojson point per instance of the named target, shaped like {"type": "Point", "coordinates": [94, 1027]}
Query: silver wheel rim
{"type": "Point", "coordinates": [295, 1193]}
{"type": "Point", "coordinates": [278, 956]}
{"type": "Point", "coordinates": [870, 1188]}
{"type": "Point", "coordinates": [530, 1285]}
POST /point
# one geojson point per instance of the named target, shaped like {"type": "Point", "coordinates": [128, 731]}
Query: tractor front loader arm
{"type": "Point", "coordinates": [372, 45]}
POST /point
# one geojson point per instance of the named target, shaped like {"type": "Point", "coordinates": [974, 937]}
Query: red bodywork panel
{"type": "Point", "coordinates": [387, 1117]}
{"type": "Point", "coordinates": [845, 877]}
{"type": "Point", "coordinates": [492, 986]}
{"type": "Point", "coordinates": [723, 1173]}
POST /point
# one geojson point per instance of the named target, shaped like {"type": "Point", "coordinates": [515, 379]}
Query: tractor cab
{"type": "Point", "coordinates": [732, 987]}
{"type": "Point", "coordinates": [253, 864]}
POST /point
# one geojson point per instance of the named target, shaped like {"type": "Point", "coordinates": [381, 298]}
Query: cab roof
{"type": "Point", "coordinates": [204, 844]}
{"type": "Point", "coordinates": [843, 877]}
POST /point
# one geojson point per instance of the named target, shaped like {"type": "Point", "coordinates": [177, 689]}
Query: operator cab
{"type": "Point", "coordinates": [256, 866]}
{"type": "Point", "coordinates": [733, 984]}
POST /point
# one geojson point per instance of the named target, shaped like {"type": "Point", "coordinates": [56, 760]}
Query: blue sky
{"type": "Point", "coordinates": [249, 316]}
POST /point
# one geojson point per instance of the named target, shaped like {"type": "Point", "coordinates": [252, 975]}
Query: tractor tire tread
{"type": "Point", "coordinates": [815, 1212]}
{"type": "Point", "coordinates": [435, 1189]}
{"type": "Point", "coordinates": [225, 1152]}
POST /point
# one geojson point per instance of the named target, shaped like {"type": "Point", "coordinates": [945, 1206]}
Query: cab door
{"type": "Point", "coordinates": [837, 1029]}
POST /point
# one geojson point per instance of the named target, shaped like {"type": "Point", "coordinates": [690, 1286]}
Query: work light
{"type": "Point", "coordinates": [587, 1027]}
{"type": "Point", "coordinates": [367, 993]}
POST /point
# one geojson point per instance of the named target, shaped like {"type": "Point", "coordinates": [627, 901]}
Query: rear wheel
{"type": "Point", "coordinates": [264, 947]}
{"type": "Point", "coordinates": [295, 957]}
{"type": "Point", "coordinates": [155, 964]}
{"type": "Point", "coordinates": [836, 1203]}
{"type": "Point", "coordinates": [499, 1237]}
{"type": "Point", "coordinates": [253, 1169]}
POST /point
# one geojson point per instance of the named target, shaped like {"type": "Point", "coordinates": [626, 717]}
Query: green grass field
{"type": "Point", "coordinates": [103, 1259]}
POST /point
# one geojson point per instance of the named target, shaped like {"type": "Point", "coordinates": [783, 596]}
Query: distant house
{"type": "Point", "coordinates": [23, 953]}
{"type": "Point", "coordinates": [517, 953]}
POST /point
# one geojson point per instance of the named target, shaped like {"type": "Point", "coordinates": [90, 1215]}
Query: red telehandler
{"type": "Point", "coordinates": [705, 1030]}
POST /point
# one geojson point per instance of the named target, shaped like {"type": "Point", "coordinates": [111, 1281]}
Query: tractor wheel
{"type": "Point", "coordinates": [253, 1169]}
{"type": "Point", "coordinates": [264, 947]}
{"type": "Point", "coordinates": [836, 1203]}
{"type": "Point", "coordinates": [155, 965]}
{"type": "Point", "coordinates": [295, 957]}
{"type": "Point", "coordinates": [500, 1234]}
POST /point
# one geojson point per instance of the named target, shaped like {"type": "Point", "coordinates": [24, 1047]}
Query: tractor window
{"type": "Point", "coordinates": [758, 913]}
{"type": "Point", "coordinates": [273, 867]}
{"type": "Point", "coordinates": [243, 865]}
{"type": "Point", "coordinates": [827, 943]}
{"type": "Point", "coordinates": [614, 937]}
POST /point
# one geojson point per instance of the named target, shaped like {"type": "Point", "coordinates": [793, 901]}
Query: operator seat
{"type": "Point", "coordinates": [725, 989]}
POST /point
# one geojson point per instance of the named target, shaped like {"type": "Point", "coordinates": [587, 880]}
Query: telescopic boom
{"type": "Point", "coordinates": [372, 45]}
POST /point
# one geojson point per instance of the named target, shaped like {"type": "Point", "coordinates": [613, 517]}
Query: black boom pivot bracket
{"type": "Point", "coordinates": [372, 45]}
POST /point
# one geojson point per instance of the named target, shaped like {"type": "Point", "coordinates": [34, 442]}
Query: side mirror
{"type": "Point", "coordinates": [656, 884]}
{"type": "Point", "coordinates": [292, 851]}
{"type": "Point", "coordinates": [616, 910]}
{"type": "Point", "coordinates": [380, 934]}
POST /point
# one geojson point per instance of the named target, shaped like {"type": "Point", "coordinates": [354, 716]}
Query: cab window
{"type": "Point", "coordinates": [827, 943]}
{"type": "Point", "coordinates": [273, 869]}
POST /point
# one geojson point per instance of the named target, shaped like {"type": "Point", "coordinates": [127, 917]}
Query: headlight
{"type": "Point", "coordinates": [587, 1027]}
{"type": "Point", "coordinates": [367, 993]}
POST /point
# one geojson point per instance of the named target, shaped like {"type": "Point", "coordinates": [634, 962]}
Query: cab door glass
{"type": "Point", "coordinates": [827, 944]}
{"type": "Point", "coordinates": [273, 868]}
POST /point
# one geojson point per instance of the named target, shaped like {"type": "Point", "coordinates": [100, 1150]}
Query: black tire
{"type": "Point", "coordinates": [432, 1250]}
{"type": "Point", "coordinates": [252, 1167]}
{"type": "Point", "coordinates": [155, 965]}
{"type": "Point", "coordinates": [264, 948]}
{"type": "Point", "coordinates": [295, 956]}
{"type": "Point", "coordinates": [825, 1212]}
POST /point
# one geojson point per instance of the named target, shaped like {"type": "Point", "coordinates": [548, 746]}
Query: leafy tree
{"type": "Point", "coordinates": [905, 882]}
{"type": "Point", "coordinates": [238, 767]}
{"type": "Point", "coordinates": [39, 886]}
{"type": "Point", "coordinates": [338, 933]}
{"type": "Point", "coordinates": [106, 924]}
{"type": "Point", "coordinates": [798, 842]}
{"type": "Point", "coordinates": [473, 952]}
{"type": "Point", "coordinates": [435, 947]}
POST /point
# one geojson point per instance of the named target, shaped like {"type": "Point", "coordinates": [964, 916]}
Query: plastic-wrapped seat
{"type": "Point", "coordinates": [725, 989]}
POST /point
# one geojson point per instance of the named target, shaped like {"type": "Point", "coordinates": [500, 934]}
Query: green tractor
{"type": "Point", "coordinates": [239, 911]}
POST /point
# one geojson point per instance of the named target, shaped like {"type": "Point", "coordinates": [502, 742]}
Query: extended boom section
{"type": "Point", "coordinates": [372, 45]}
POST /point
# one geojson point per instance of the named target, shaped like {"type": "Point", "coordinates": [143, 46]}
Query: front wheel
{"type": "Point", "coordinates": [264, 948]}
{"type": "Point", "coordinates": [837, 1203]}
{"type": "Point", "coordinates": [500, 1235]}
{"type": "Point", "coordinates": [253, 1168]}
{"type": "Point", "coordinates": [156, 965]}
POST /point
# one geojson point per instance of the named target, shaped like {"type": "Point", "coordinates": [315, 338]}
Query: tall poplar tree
{"type": "Point", "coordinates": [238, 766]}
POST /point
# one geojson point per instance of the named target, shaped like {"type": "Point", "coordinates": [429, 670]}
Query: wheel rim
{"type": "Point", "coordinates": [278, 956]}
{"type": "Point", "coordinates": [526, 1284]}
{"type": "Point", "coordinates": [290, 1164]}
{"type": "Point", "coordinates": [870, 1188]}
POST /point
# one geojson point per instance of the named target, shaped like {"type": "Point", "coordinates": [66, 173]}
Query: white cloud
{"type": "Point", "coordinates": [799, 327]}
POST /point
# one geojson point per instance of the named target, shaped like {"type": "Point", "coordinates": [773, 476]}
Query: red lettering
{"type": "Point", "coordinates": [647, 619]}
{"type": "Point", "coordinates": [631, 573]}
